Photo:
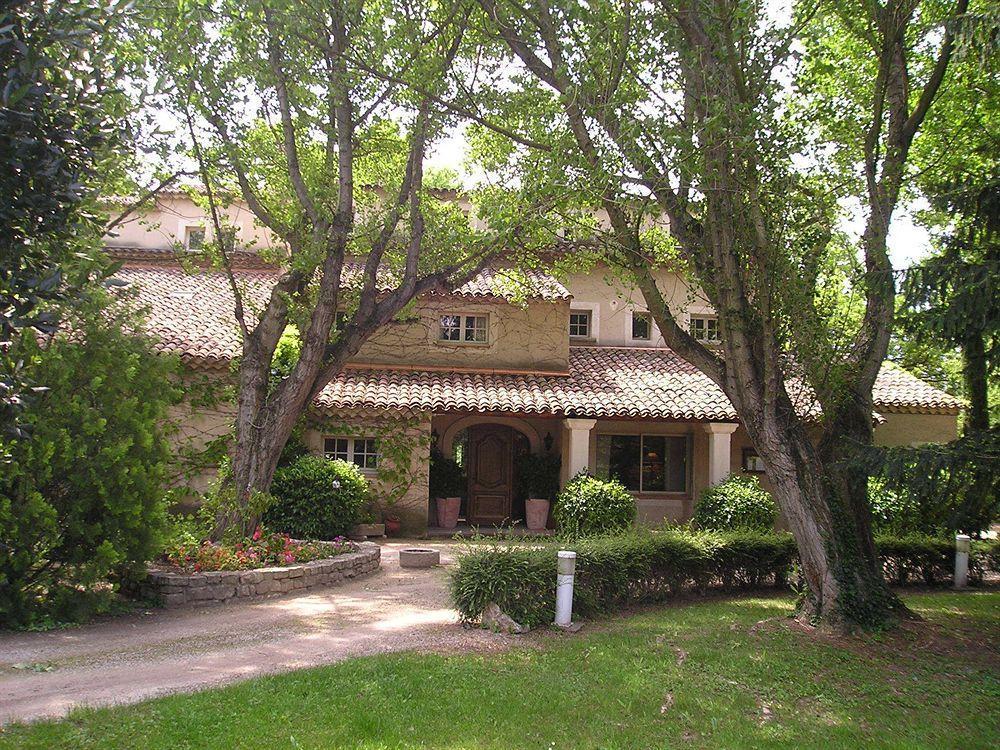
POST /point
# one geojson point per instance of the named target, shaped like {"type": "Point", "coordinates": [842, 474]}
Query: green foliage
{"type": "Point", "coordinates": [738, 503]}
{"type": "Point", "coordinates": [58, 130]}
{"type": "Point", "coordinates": [537, 475]}
{"type": "Point", "coordinates": [589, 505]}
{"type": "Point", "coordinates": [641, 566]}
{"type": "Point", "coordinates": [924, 558]}
{"type": "Point", "coordinates": [84, 497]}
{"type": "Point", "coordinates": [447, 478]}
{"type": "Point", "coordinates": [616, 571]}
{"type": "Point", "coordinates": [936, 488]}
{"type": "Point", "coordinates": [315, 498]}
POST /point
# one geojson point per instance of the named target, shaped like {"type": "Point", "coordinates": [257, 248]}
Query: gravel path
{"type": "Point", "coordinates": [134, 657]}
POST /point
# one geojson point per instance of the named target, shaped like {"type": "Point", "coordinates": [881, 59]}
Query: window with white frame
{"type": "Point", "coordinates": [464, 329]}
{"type": "Point", "coordinates": [705, 328]}
{"type": "Point", "coordinates": [645, 463]}
{"type": "Point", "coordinates": [360, 451]}
{"type": "Point", "coordinates": [580, 324]}
{"type": "Point", "coordinates": [642, 326]}
{"type": "Point", "coordinates": [194, 238]}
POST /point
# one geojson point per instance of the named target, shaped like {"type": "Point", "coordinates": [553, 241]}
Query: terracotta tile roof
{"type": "Point", "coordinates": [897, 390]}
{"type": "Point", "coordinates": [603, 382]}
{"type": "Point", "coordinates": [192, 315]}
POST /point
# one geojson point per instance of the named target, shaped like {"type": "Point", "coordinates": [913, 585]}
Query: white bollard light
{"type": "Point", "coordinates": [565, 571]}
{"type": "Point", "coordinates": [961, 560]}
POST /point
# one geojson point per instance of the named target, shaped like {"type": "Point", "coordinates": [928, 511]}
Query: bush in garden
{"type": "Point", "coordinates": [83, 498]}
{"type": "Point", "coordinates": [738, 503]}
{"type": "Point", "coordinates": [641, 566]}
{"type": "Point", "coordinates": [315, 498]}
{"type": "Point", "coordinates": [589, 505]}
{"type": "Point", "coordinates": [615, 571]}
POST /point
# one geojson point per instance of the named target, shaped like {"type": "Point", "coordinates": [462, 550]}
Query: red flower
{"type": "Point", "coordinates": [256, 534]}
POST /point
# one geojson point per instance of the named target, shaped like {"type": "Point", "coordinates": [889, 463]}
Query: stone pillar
{"type": "Point", "coordinates": [719, 451]}
{"type": "Point", "coordinates": [576, 446]}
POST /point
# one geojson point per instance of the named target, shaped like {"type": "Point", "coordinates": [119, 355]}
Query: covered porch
{"type": "Point", "coordinates": [664, 463]}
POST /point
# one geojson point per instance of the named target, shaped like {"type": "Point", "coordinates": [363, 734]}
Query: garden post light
{"type": "Point", "coordinates": [565, 571]}
{"type": "Point", "coordinates": [961, 560]}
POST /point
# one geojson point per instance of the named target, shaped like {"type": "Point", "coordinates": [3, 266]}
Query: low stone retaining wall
{"type": "Point", "coordinates": [184, 589]}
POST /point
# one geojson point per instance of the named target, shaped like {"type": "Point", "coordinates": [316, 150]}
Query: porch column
{"type": "Point", "coordinates": [719, 451]}
{"type": "Point", "coordinates": [576, 446]}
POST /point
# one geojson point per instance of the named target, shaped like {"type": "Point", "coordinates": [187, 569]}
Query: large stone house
{"type": "Point", "coordinates": [572, 366]}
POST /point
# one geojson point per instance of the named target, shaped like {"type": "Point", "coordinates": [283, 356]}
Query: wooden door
{"type": "Point", "coordinates": [490, 476]}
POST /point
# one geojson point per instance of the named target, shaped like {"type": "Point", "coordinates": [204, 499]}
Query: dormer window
{"type": "Point", "coordinates": [194, 239]}
{"type": "Point", "coordinates": [464, 329]}
{"type": "Point", "coordinates": [579, 324]}
{"type": "Point", "coordinates": [705, 328]}
{"type": "Point", "coordinates": [642, 326]}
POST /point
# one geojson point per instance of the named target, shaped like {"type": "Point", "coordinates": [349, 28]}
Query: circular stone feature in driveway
{"type": "Point", "coordinates": [419, 557]}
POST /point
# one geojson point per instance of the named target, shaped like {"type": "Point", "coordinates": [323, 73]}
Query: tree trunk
{"type": "Point", "coordinates": [825, 504]}
{"type": "Point", "coordinates": [974, 370]}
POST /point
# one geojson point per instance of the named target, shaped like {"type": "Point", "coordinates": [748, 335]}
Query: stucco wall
{"type": "Point", "coordinates": [163, 224]}
{"type": "Point", "coordinates": [611, 304]}
{"type": "Point", "coordinates": [914, 429]}
{"type": "Point", "coordinates": [533, 337]}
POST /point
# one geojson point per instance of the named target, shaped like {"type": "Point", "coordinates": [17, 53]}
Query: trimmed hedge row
{"type": "Point", "coordinates": [642, 566]}
{"type": "Point", "coordinates": [615, 571]}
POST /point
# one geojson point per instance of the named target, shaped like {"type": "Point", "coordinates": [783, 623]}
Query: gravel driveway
{"type": "Point", "coordinates": [134, 657]}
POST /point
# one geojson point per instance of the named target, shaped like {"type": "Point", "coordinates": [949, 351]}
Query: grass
{"type": "Point", "coordinates": [709, 674]}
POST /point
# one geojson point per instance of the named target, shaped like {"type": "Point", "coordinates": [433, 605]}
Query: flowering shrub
{"type": "Point", "coordinates": [264, 549]}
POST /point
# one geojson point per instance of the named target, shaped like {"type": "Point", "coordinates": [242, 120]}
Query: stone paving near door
{"type": "Point", "coordinates": [133, 657]}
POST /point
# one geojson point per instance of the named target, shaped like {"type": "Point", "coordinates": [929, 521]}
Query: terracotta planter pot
{"type": "Point", "coordinates": [392, 526]}
{"type": "Point", "coordinates": [447, 511]}
{"type": "Point", "coordinates": [536, 514]}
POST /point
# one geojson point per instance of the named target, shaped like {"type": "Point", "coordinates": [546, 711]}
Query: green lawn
{"type": "Point", "coordinates": [702, 675]}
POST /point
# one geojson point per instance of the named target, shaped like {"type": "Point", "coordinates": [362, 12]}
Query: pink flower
{"type": "Point", "coordinates": [257, 534]}
{"type": "Point", "coordinates": [289, 557]}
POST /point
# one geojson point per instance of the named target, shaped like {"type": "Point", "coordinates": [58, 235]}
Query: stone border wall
{"type": "Point", "coordinates": [184, 589]}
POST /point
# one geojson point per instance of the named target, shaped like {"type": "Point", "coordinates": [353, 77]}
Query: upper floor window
{"type": "Point", "coordinates": [360, 451]}
{"type": "Point", "coordinates": [579, 324]}
{"type": "Point", "coordinates": [642, 326]}
{"type": "Point", "coordinates": [705, 328]}
{"type": "Point", "coordinates": [645, 463]}
{"type": "Point", "coordinates": [194, 238]}
{"type": "Point", "coordinates": [464, 329]}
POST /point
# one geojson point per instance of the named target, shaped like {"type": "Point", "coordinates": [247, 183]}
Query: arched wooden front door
{"type": "Point", "coordinates": [490, 474]}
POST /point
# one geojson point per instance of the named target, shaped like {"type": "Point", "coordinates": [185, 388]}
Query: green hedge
{"type": "Point", "coordinates": [315, 498]}
{"type": "Point", "coordinates": [615, 571]}
{"type": "Point", "coordinates": [919, 558]}
{"type": "Point", "coordinates": [643, 566]}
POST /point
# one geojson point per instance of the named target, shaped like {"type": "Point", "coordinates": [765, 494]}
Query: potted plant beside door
{"type": "Point", "coordinates": [447, 484]}
{"type": "Point", "coordinates": [538, 478]}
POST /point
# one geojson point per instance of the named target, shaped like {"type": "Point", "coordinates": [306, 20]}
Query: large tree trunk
{"type": "Point", "coordinates": [975, 373]}
{"type": "Point", "coordinates": [825, 505]}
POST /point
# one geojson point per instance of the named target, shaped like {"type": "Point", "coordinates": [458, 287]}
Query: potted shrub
{"type": "Point", "coordinates": [538, 477]}
{"type": "Point", "coordinates": [447, 484]}
{"type": "Point", "coordinates": [392, 523]}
